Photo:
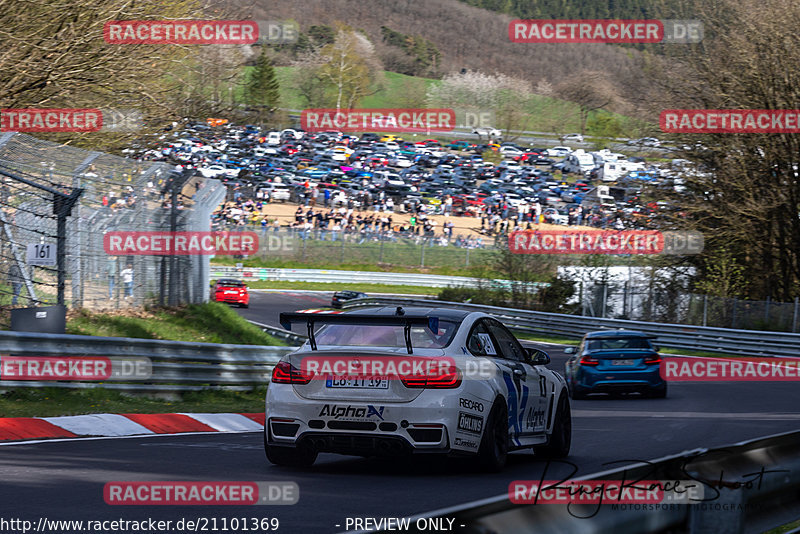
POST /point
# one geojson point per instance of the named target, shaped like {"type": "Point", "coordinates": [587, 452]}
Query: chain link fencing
{"type": "Point", "coordinates": [119, 194]}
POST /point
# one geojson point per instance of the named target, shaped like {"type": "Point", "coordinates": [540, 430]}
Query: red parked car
{"type": "Point", "coordinates": [231, 291]}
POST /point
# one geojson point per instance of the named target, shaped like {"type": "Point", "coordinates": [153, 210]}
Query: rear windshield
{"type": "Point", "coordinates": [386, 336]}
{"type": "Point", "coordinates": [620, 343]}
{"type": "Point", "coordinates": [230, 283]}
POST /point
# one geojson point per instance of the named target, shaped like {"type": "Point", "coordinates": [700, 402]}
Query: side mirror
{"type": "Point", "coordinates": [537, 357]}
{"type": "Point", "coordinates": [571, 350]}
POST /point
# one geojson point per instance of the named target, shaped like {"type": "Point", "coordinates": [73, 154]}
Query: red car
{"type": "Point", "coordinates": [231, 291]}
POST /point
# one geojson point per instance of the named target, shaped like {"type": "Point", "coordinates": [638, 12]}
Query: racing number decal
{"type": "Point", "coordinates": [517, 402]}
{"type": "Point", "coordinates": [486, 341]}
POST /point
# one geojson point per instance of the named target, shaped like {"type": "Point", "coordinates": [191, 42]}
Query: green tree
{"type": "Point", "coordinates": [346, 69]}
{"type": "Point", "coordinates": [262, 90]}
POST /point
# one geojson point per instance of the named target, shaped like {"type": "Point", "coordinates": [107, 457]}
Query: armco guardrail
{"type": "Point", "coordinates": [737, 496]}
{"type": "Point", "coordinates": [176, 365]}
{"type": "Point", "coordinates": [702, 338]}
{"type": "Point", "coordinates": [353, 277]}
{"type": "Point", "coordinates": [288, 335]}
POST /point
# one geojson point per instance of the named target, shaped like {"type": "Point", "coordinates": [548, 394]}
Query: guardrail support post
{"type": "Point", "coordinates": [705, 310]}
{"type": "Point", "coordinates": [794, 317]}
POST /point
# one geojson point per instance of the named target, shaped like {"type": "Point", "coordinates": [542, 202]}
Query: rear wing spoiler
{"type": "Point", "coordinates": [406, 321]}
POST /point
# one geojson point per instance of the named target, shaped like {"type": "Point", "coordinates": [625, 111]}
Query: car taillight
{"type": "Point", "coordinates": [449, 379]}
{"type": "Point", "coordinates": [286, 373]}
{"type": "Point", "coordinates": [588, 360]}
{"type": "Point", "coordinates": [652, 360]}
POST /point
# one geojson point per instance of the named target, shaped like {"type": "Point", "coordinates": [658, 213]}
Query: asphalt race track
{"type": "Point", "coordinates": [65, 479]}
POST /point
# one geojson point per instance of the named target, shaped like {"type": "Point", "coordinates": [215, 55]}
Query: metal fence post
{"type": "Point", "coordinates": [603, 304]}
{"type": "Point", "coordinates": [794, 317]}
{"type": "Point", "coordinates": [467, 265]}
{"type": "Point", "coordinates": [705, 310]}
{"type": "Point", "coordinates": [766, 311]}
{"type": "Point", "coordinates": [422, 258]}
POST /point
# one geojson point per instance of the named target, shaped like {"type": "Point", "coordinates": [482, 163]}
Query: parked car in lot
{"type": "Point", "coordinates": [344, 296]}
{"type": "Point", "coordinates": [573, 137]}
{"type": "Point", "coordinates": [615, 361]}
{"type": "Point", "coordinates": [232, 291]}
{"type": "Point", "coordinates": [645, 141]}
{"type": "Point", "coordinates": [278, 192]}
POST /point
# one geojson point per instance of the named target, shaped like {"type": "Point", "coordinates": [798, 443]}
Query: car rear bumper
{"type": "Point", "coordinates": [619, 381]}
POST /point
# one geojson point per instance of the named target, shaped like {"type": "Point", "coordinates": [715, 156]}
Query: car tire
{"type": "Point", "coordinates": [245, 305]}
{"type": "Point", "coordinates": [561, 439]}
{"type": "Point", "coordinates": [493, 451]}
{"type": "Point", "coordinates": [658, 393]}
{"type": "Point", "coordinates": [288, 456]}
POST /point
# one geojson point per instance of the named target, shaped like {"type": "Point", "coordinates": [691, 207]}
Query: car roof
{"type": "Point", "coordinates": [607, 334]}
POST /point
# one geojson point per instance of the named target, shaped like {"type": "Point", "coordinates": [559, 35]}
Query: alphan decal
{"type": "Point", "coordinates": [351, 412]}
{"type": "Point", "coordinates": [535, 418]}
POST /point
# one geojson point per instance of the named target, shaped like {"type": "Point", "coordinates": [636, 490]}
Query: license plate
{"type": "Point", "coordinates": [231, 292]}
{"type": "Point", "coordinates": [622, 362]}
{"type": "Point", "coordinates": [377, 382]}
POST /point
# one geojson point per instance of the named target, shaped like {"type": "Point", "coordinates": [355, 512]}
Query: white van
{"type": "Point", "coordinates": [599, 197]}
{"type": "Point", "coordinates": [579, 162]}
{"type": "Point", "coordinates": [614, 170]}
{"type": "Point", "coordinates": [274, 138]}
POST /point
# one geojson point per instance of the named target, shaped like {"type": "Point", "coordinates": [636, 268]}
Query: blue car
{"type": "Point", "coordinates": [615, 361]}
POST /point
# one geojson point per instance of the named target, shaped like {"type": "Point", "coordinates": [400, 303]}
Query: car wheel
{"type": "Point", "coordinates": [493, 450]}
{"type": "Point", "coordinates": [245, 305]}
{"type": "Point", "coordinates": [561, 438]}
{"type": "Point", "coordinates": [658, 393]}
{"type": "Point", "coordinates": [288, 456]}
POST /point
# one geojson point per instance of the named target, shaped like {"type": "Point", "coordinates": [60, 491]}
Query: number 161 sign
{"type": "Point", "coordinates": [41, 254]}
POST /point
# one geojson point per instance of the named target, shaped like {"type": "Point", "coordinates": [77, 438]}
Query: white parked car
{"type": "Point", "coordinates": [487, 132]}
{"type": "Point", "coordinates": [278, 191]}
{"type": "Point", "coordinates": [274, 138]}
{"type": "Point", "coordinates": [389, 381]}
{"type": "Point", "coordinates": [559, 152]}
{"type": "Point", "coordinates": [217, 170]}
{"type": "Point", "coordinates": [510, 151]}
{"type": "Point", "coordinates": [573, 137]}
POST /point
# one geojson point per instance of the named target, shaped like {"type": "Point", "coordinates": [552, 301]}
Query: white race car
{"type": "Point", "coordinates": [389, 381]}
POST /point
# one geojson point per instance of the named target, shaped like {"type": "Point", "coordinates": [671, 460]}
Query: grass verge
{"type": "Point", "coordinates": [330, 286]}
{"type": "Point", "coordinates": [52, 402]}
{"type": "Point", "coordinates": [212, 322]}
